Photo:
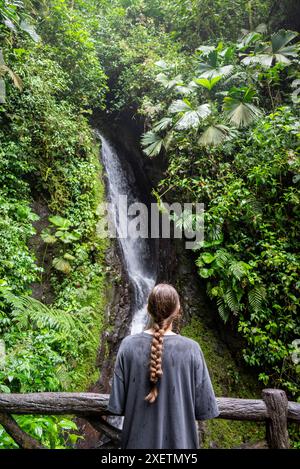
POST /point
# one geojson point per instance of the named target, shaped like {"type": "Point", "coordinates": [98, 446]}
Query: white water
{"type": "Point", "coordinates": [135, 250]}
{"type": "Point", "coordinates": [136, 253]}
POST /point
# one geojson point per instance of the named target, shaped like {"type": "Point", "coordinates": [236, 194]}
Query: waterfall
{"type": "Point", "coordinates": [135, 250]}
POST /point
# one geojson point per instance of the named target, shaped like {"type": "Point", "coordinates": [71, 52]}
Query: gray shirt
{"type": "Point", "coordinates": [185, 393]}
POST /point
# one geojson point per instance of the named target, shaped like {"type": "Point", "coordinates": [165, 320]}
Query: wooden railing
{"type": "Point", "coordinates": [274, 409]}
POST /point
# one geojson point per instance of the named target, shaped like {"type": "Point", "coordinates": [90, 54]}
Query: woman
{"type": "Point", "coordinates": [161, 383]}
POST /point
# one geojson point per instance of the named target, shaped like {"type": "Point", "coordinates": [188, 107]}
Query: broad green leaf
{"type": "Point", "coordinates": [206, 273]}
{"type": "Point", "coordinates": [62, 265]}
{"type": "Point", "coordinates": [207, 257]}
{"type": "Point", "coordinates": [69, 257]}
{"type": "Point", "coordinates": [48, 238]}
{"type": "Point", "coordinates": [62, 223]}
{"type": "Point", "coordinates": [208, 83]}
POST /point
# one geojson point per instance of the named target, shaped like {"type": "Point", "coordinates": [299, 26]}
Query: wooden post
{"type": "Point", "coordinates": [276, 423]}
{"type": "Point", "coordinates": [201, 432]}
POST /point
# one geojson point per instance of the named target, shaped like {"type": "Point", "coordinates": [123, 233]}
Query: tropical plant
{"type": "Point", "coordinates": [278, 50]}
{"type": "Point", "coordinates": [60, 231]}
{"type": "Point", "coordinates": [241, 160]}
{"type": "Point", "coordinates": [5, 70]}
{"type": "Point", "coordinates": [239, 107]}
{"type": "Point", "coordinates": [215, 62]}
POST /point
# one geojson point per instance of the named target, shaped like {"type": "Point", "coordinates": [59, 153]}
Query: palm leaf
{"type": "Point", "coordinates": [279, 41]}
{"type": "Point", "coordinates": [185, 89]}
{"type": "Point", "coordinates": [239, 113]}
{"type": "Point", "coordinates": [167, 82]}
{"type": "Point", "coordinates": [152, 142]}
{"type": "Point", "coordinates": [179, 106]}
{"type": "Point", "coordinates": [265, 60]}
{"type": "Point", "coordinates": [276, 50]}
{"type": "Point", "coordinates": [192, 119]}
{"type": "Point", "coordinates": [215, 135]}
{"type": "Point", "coordinates": [207, 71]}
{"type": "Point", "coordinates": [162, 124]}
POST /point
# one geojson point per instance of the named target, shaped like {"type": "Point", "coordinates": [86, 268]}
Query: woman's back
{"type": "Point", "coordinates": [185, 393]}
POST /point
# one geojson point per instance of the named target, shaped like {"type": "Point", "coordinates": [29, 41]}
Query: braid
{"type": "Point", "coordinates": [156, 371]}
{"type": "Point", "coordinates": [163, 307]}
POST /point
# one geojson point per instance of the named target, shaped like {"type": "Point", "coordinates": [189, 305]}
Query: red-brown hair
{"type": "Point", "coordinates": [163, 307]}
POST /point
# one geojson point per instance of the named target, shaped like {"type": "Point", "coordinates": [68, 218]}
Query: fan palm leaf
{"type": "Point", "coordinates": [278, 50]}
{"type": "Point", "coordinates": [192, 119]}
{"type": "Point", "coordinates": [215, 135]}
{"type": "Point", "coordinates": [152, 142]}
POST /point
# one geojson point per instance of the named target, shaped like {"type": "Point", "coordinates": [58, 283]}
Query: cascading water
{"type": "Point", "coordinates": [135, 250]}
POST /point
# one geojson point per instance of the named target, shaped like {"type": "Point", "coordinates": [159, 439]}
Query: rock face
{"type": "Point", "coordinates": [118, 318]}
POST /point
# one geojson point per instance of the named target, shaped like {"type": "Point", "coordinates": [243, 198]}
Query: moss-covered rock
{"type": "Point", "coordinates": [229, 381]}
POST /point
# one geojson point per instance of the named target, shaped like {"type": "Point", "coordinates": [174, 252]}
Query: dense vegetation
{"type": "Point", "coordinates": [216, 85]}
{"type": "Point", "coordinates": [230, 130]}
{"type": "Point", "coordinates": [49, 162]}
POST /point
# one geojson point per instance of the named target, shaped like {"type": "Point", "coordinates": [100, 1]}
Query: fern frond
{"type": "Point", "coordinates": [231, 301]}
{"type": "Point", "coordinates": [238, 269]}
{"type": "Point", "coordinates": [256, 297]}
{"type": "Point", "coordinates": [222, 310]}
{"type": "Point", "coordinates": [27, 310]}
{"type": "Point", "coordinates": [222, 258]}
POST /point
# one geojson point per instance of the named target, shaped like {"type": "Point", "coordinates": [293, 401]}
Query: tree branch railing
{"type": "Point", "coordinates": [274, 409]}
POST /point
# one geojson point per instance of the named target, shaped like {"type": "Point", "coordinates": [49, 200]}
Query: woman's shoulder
{"type": "Point", "coordinates": [191, 343]}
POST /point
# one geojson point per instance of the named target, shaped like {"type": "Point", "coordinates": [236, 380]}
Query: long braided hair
{"type": "Point", "coordinates": [163, 307]}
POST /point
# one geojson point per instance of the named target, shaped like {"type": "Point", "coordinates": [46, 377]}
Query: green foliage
{"type": "Point", "coordinates": [52, 431]}
{"type": "Point", "coordinates": [227, 380]}
{"type": "Point", "coordinates": [17, 264]}
{"type": "Point", "coordinates": [278, 50]}
{"type": "Point", "coordinates": [67, 33]}
{"type": "Point", "coordinates": [48, 153]}
{"type": "Point", "coordinates": [239, 108]}
{"type": "Point", "coordinates": [247, 177]}
{"type": "Point", "coordinates": [220, 102]}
